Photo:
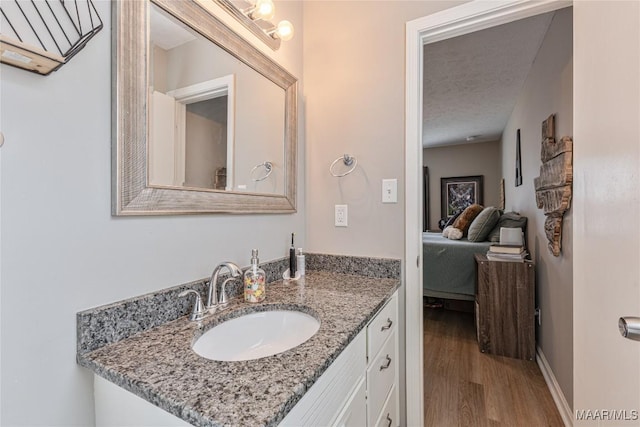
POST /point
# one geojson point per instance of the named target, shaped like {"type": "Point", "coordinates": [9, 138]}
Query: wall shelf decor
{"type": "Point", "coordinates": [42, 35]}
{"type": "Point", "coordinates": [554, 185]}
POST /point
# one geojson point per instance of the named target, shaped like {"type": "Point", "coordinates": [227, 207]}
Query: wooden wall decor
{"type": "Point", "coordinates": [554, 185]}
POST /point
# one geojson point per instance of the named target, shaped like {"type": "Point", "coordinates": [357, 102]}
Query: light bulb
{"type": "Point", "coordinates": [264, 10]}
{"type": "Point", "coordinates": [284, 31]}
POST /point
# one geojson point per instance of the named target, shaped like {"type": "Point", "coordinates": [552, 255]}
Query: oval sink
{"type": "Point", "coordinates": [256, 335]}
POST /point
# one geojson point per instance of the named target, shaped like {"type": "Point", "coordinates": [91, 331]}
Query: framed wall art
{"type": "Point", "coordinates": [460, 192]}
{"type": "Point", "coordinates": [425, 198]}
{"type": "Point", "coordinates": [518, 161]}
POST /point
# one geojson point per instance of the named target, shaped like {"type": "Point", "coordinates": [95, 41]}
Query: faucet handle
{"type": "Point", "coordinates": [198, 312]}
{"type": "Point", "coordinates": [223, 300]}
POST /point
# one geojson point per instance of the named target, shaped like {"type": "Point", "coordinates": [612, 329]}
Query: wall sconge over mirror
{"type": "Point", "coordinates": [256, 15]}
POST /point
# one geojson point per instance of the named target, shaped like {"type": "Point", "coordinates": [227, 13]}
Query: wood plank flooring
{"type": "Point", "coordinates": [464, 387]}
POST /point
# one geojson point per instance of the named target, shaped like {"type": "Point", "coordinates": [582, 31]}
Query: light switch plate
{"type": "Point", "coordinates": [390, 191]}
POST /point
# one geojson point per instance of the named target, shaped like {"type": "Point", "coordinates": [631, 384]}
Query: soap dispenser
{"type": "Point", "coordinates": [254, 280]}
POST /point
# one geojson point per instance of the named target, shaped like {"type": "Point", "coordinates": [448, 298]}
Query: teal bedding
{"type": "Point", "coordinates": [449, 269]}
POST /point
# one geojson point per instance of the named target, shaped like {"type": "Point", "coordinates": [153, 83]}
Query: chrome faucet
{"type": "Point", "coordinates": [212, 297]}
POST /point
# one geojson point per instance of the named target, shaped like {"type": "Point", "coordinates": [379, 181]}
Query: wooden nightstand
{"type": "Point", "coordinates": [505, 312]}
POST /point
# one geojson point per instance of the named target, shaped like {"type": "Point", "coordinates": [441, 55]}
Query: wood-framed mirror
{"type": "Point", "coordinates": [257, 96]}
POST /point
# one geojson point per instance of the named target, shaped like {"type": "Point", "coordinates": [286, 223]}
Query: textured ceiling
{"type": "Point", "coordinates": [472, 82]}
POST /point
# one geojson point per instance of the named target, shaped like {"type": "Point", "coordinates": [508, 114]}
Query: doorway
{"type": "Point", "coordinates": [450, 23]}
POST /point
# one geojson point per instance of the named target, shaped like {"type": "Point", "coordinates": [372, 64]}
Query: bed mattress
{"type": "Point", "coordinates": [449, 266]}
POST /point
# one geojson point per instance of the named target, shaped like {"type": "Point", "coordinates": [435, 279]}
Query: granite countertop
{"type": "Point", "coordinates": [160, 366]}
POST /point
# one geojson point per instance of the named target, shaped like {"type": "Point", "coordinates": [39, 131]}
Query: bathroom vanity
{"type": "Point", "coordinates": [345, 374]}
{"type": "Point", "coordinates": [359, 388]}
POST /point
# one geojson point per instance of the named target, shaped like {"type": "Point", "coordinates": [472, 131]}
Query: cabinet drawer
{"type": "Point", "coordinates": [382, 326]}
{"type": "Point", "coordinates": [381, 376]}
{"type": "Point", "coordinates": [389, 416]}
{"type": "Point", "coordinates": [354, 413]}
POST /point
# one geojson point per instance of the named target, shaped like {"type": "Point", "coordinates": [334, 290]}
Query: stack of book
{"type": "Point", "coordinates": [507, 253]}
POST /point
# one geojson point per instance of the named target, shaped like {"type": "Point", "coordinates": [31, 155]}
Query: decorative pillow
{"type": "Point", "coordinates": [445, 222]}
{"type": "Point", "coordinates": [483, 224]}
{"type": "Point", "coordinates": [507, 220]}
{"type": "Point", "coordinates": [466, 218]}
{"type": "Point", "coordinates": [454, 233]}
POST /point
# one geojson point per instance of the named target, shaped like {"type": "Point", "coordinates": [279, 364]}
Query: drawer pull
{"type": "Point", "coordinates": [388, 325]}
{"type": "Point", "coordinates": [389, 420]}
{"type": "Point", "coordinates": [387, 365]}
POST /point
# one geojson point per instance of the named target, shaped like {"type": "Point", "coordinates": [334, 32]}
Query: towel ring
{"type": "Point", "coordinates": [348, 161]}
{"type": "Point", "coordinates": [267, 165]}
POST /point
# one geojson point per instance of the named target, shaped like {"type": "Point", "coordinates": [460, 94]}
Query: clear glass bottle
{"type": "Point", "coordinates": [254, 280]}
{"type": "Point", "coordinates": [300, 262]}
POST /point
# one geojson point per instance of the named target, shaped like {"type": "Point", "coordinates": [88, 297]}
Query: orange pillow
{"type": "Point", "coordinates": [466, 218]}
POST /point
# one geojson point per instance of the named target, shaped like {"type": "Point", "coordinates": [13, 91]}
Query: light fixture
{"type": "Point", "coordinates": [257, 18]}
{"type": "Point", "coordinates": [283, 31]}
{"type": "Point", "coordinates": [262, 9]}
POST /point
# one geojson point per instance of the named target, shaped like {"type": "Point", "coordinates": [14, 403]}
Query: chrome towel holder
{"type": "Point", "coordinates": [348, 161]}
{"type": "Point", "coordinates": [268, 167]}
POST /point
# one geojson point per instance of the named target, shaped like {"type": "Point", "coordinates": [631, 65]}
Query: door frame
{"type": "Point", "coordinates": [456, 21]}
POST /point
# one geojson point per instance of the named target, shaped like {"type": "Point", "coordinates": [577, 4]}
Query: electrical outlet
{"type": "Point", "coordinates": [341, 215]}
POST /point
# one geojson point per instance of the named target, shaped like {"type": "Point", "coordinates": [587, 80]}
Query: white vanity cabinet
{"type": "Point", "coordinates": [354, 413]}
{"type": "Point", "coordinates": [336, 389]}
{"type": "Point", "coordinates": [360, 387]}
{"type": "Point", "coordinates": [382, 368]}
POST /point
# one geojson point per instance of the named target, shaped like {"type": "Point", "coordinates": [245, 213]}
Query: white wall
{"type": "Point", "coordinates": [205, 150]}
{"type": "Point", "coordinates": [262, 118]}
{"type": "Point", "coordinates": [62, 251]}
{"type": "Point", "coordinates": [354, 74]}
{"type": "Point", "coordinates": [547, 90]}
{"type": "Point", "coordinates": [482, 158]}
{"type": "Point", "coordinates": [607, 205]}
{"type": "Point", "coordinates": [354, 70]}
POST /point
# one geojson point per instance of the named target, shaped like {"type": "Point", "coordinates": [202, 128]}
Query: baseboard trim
{"type": "Point", "coordinates": [556, 392]}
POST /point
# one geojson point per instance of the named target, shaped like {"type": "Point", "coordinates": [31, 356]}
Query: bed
{"type": "Point", "coordinates": [449, 269]}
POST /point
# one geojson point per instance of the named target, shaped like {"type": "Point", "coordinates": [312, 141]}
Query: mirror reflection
{"type": "Point", "coordinates": [196, 138]}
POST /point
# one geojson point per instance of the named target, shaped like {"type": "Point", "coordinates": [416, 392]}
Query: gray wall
{"type": "Point", "coordinates": [548, 89]}
{"type": "Point", "coordinates": [62, 251]}
{"type": "Point", "coordinates": [482, 158]}
{"type": "Point", "coordinates": [354, 93]}
{"type": "Point", "coordinates": [354, 99]}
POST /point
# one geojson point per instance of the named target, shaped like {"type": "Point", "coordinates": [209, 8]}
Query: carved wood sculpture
{"type": "Point", "coordinates": [554, 185]}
